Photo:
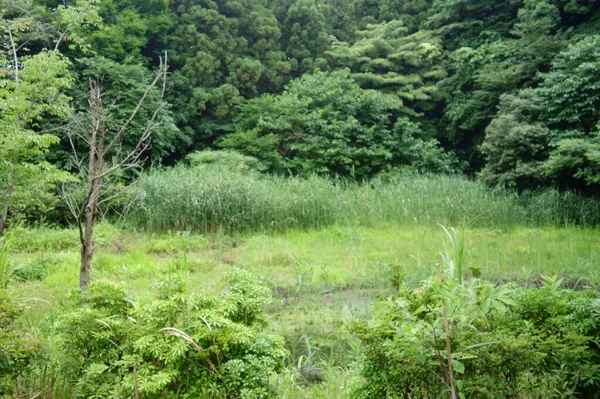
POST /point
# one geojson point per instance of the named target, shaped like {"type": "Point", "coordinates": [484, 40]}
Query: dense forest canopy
{"type": "Point", "coordinates": [507, 91]}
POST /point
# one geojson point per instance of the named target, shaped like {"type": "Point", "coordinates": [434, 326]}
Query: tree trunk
{"type": "Point", "coordinates": [93, 186]}
{"type": "Point", "coordinates": [87, 247]}
{"type": "Point", "coordinates": [3, 218]}
{"type": "Point", "coordinates": [8, 194]}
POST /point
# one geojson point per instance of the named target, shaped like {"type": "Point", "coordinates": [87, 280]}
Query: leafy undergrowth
{"type": "Point", "coordinates": [320, 280]}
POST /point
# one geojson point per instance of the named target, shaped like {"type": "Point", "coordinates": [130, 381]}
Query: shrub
{"type": "Point", "coordinates": [19, 346]}
{"type": "Point", "coordinates": [178, 346]}
{"type": "Point", "coordinates": [506, 342]}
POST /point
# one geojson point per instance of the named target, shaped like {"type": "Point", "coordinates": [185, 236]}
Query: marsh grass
{"type": "Point", "coordinates": [211, 200]}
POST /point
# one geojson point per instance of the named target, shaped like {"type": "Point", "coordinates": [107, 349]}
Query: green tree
{"type": "Point", "coordinates": [307, 36]}
{"type": "Point", "coordinates": [126, 81]}
{"type": "Point", "coordinates": [516, 145]}
{"type": "Point", "coordinates": [31, 89]}
{"type": "Point", "coordinates": [480, 75]}
{"type": "Point", "coordinates": [222, 53]}
{"type": "Point", "coordinates": [403, 67]}
{"type": "Point", "coordinates": [411, 12]}
{"type": "Point", "coordinates": [325, 123]}
{"type": "Point", "coordinates": [571, 95]}
{"type": "Point", "coordinates": [550, 134]}
{"type": "Point", "coordinates": [131, 29]}
{"type": "Point", "coordinates": [470, 23]}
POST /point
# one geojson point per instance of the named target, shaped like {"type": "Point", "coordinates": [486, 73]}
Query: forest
{"type": "Point", "coordinates": [300, 198]}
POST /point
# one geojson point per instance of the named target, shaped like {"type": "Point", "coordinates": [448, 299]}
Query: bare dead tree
{"type": "Point", "coordinates": [105, 157]}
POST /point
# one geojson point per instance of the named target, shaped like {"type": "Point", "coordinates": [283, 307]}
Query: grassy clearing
{"type": "Point", "coordinates": [209, 200]}
{"type": "Point", "coordinates": [328, 250]}
{"type": "Point", "coordinates": [320, 278]}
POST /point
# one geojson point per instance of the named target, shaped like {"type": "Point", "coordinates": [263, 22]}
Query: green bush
{"type": "Point", "coordinates": [19, 346]}
{"type": "Point", "coordinates": [178, 346]}
{"type": "Point", "coordinates": [325, 123]}
{"type": "Point", "coordinates": [505, 342]}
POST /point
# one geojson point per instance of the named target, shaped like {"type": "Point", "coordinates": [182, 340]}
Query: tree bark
{"type": "Point", "coordinates": [87, 249]}
{"type": "Point", "coordinates": [8, 194]}
{"type": "Point", "coordinates": [94, 182]}
{"type": "Point", "coordinates": [3, 219]}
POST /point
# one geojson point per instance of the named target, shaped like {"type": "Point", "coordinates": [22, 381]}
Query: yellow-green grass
{"type": "Point", "coordinates": [357, 257]}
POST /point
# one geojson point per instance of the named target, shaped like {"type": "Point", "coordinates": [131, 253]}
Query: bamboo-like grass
{"type": "Point", "coordinates": [209, 200]}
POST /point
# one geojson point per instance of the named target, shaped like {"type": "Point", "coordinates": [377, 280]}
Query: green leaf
{"type": "Point", "coordinates": [458, 366]}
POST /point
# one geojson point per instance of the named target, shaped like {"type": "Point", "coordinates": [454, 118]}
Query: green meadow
{"type": "Point", "coordinates": [321, 278]}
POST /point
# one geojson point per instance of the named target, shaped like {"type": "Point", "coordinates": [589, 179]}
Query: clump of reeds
{"type": "Point", "coordinates": [197, 199]}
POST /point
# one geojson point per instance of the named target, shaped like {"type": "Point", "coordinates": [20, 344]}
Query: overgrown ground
{"type": "Point", "coordinates": [319, 278]}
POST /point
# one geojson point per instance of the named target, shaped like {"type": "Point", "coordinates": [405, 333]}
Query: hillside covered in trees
{"type": "Point", "coordinates": [507, 91]}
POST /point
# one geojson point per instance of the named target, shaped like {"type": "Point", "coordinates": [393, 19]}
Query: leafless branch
{"type": "Point", "coordinates": [14, 49]}
{"type": "Point", "coordinates": [114, 196]}
{"type": "Point", "coordinates": [64, 33]}
{"type": "Point", "coordinates": [160, 74]}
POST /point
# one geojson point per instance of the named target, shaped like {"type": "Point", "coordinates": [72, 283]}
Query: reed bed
{"type": "Point", "coordinates": [209, 200]}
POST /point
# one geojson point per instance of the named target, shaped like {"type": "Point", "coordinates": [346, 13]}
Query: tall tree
{"type": "Point", "coordinates": [325, 123]}
{"type": "Point", "coordinates": [31, 89]}
{"type": "Point", "coordinates": [571, 96]}
{"type": "Point", "coordinates": [550, 134]}
{"type": "Point", "coordinates": [306, 35]}
{"type": "Point", "coordinates": [222, 52]}
{"type": "Point", "coordinates": [403, 67]}
{"type": "Point", "coordinates": [516, 143]}
{"type": "Point", "coordinates": [480, 75]}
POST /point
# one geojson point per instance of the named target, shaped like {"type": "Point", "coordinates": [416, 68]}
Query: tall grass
{"type": "Point", "coordinates": [194, 199]}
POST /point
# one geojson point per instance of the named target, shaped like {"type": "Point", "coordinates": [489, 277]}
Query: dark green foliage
{"type": "Point", "coordinates": [571, 93]}
{"type": "Point", "coordinates": [480, 75]}
{"type": "Point", "coordinates": [550, 134]}
{"type": "Point", "coordinates": [135, 28]}
{"type": "Point", "coordinates": [515, 145]}
{"type": "Point", "coordinates": [578, 159]}
{"type": "Point", "coordinates": [506, 342]}
{"type": "Point", "coordinates": [177, 346]}
{"type": "Point", "coordinates": [571, 90]}
{"type": "Point", "coordinates": [222, 52]}
{"type": "Point", "coordinates": [123, 85]}
{"type": "Point", "coordinates": [306, 35]}
{"type": "Point", "coordinates": [429, 81]}
{"type": "Point", "coordinates": [403, 67]}
{"type": "Point", "coordinates": [325, 123]}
